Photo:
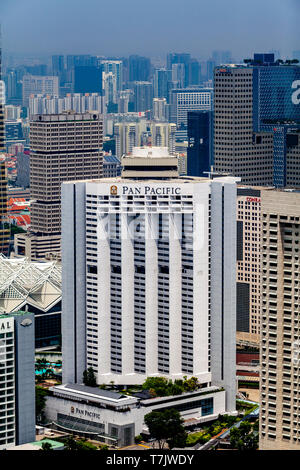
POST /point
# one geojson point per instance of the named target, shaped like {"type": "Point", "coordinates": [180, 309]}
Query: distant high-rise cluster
{"type": "Point", "coordinates": [167, 192]}
{"type": "Point", "coordinates": [4, 232]}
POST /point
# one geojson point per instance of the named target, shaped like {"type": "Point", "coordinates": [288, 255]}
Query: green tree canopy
{"type": "Point", "coordinates": [244, 438]}
{"type": "Point", "coordinates": [46, 446]}
{"type": "Point", "coordinates": [162, 387]}
{"type": "Point", "coordinates": [40, 402]}
{"type": "Point", "coordinates": [89, 377]}
{"type": "Point", "coordinates": [166, 426]}
{"type": "Point", "coordinates": [71, 444]}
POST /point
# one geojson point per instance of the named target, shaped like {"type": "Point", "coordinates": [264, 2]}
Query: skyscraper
{"type": "Point", "coordinates": [200, 142]}
{"type": "Point", "coordinates": [144, 292]}
{"type": "Point", "coordinates": [116, 68]}
{"type": "Point", "coordinates": [178, 75]}
{"type": "Point", "coordinates": [180, 58]}
{"type": "Point", "coordinates": [34, 84]}
{"type": "Point", "coordinates": [160, 109]}
{"type": "Point", "coordinates": [79, 102]}
{"type": "Point", "coordinates": [143, 96]}
{"type": "Point", "coordinates": [110, 91]}
{"type": "Point", "coordinates": [4, 232]}
{"type": "Point", "coordinates": [139, 68]}
{"type": "Point", "coordinates": [188, 99]}
{"type": "Point", "coordinates": [160, 83]}
{"type": "Point", "coordinates": [163, 135]}
{"type": "Point", "coordinates": [17, 376]}
{"type": "Point", "coordinates": [248, 273]}
{"type": "Point", "coordinates": [280, 337]}
{"type": "Point", "coordinates": [87, 79]}
{"type": "Point", "coordinates": [194, 72]}
{"type": "Point", "coordinates": [127, 135]}
{"type": "Point", "coordinates": [58, 64]}
{"type": "Point", "coordinates": [63, 147]}
{"type": "Point", "coordinates": [257, 121]}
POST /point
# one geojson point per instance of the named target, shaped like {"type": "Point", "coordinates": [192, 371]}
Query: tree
{"type": "Point", "coordinates": [165, 426]}
{"type": "Point", "coordinates": [178, 441]}
{"type": "Point", "coordinates": [40, 402]}
{"type": "Point", "coordinates": [46, 446]}
{"type": "Point", "coordinates": [191, 384]}
{"type": "Point", "coordinates": [89, 377]}
{"type": "Point", "coordinates": [81, 445]}
{"type": "Point", "coordinates": [243, 438]}
{"type": "Point", "coordinates": [157, 384]}
{"type": "Point", "coordinates": [70, 443]}
{"type": "Point", "coordinates": [162, 387]}
{"type": "Point", "coordinates": [85, 377]}
{"type": "Point", "coordinates": [41, 364]}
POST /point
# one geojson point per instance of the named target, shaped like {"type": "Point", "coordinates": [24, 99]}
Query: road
{"type": "Point", "coordinates": [215, 440]}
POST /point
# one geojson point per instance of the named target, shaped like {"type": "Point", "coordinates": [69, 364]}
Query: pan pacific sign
{"type": "Point", "coordinates": [151, 190]}
{"type": "Point", "coordinates": [84, 413]}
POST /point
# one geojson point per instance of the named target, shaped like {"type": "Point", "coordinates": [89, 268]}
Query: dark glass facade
{"type": "Point", "coordinates": [200, 143]}
{"type": "Point", "coordinates": [47, 326]}
{"type": "Point", "coordinates": [275, 95]}
{"type": "Point", "coordinates": [87, 79]}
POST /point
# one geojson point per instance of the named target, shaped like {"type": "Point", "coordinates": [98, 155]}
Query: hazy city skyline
{"type": "Point", "coordinates": [41, 28]}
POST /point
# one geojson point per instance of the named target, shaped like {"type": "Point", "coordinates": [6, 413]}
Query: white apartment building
{"type": "Point", "coordinates": [127, 135]}
{"type": "Point", "coordinates": [163, 135]}
{"type": "Point", "coordinates": [109, 81]}
{"type": "Point", "coordinates": [114, 67]}
{"type": "Point", "coordinates": [34, 84]}
{"type": "Point", "coordinates": [48, 104]}
{"type": "Point", "coordinates": [149, 280]}
{"type": "Point", "coordinates": [280, 333]}
{"type": "Point", "coordinates": [160, 109]}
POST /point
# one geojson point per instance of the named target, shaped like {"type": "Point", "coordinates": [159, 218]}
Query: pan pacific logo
{"type": "Point", "coordinates": [72, 409]}
{"type": "Point", "coordinates": [296, 94]}
{"type": "Point", "coordinates": [113, 190]}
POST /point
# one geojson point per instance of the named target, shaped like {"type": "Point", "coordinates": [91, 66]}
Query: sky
{"type": "Point", "coordinates": [152, 28]}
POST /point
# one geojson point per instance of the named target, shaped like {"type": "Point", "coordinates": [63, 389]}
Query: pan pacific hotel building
{"type": "Point", "coordinates": [149, 287]}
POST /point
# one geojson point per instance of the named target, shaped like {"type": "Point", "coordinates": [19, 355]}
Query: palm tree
{"type": "Point", "coordinates": [39, 364]}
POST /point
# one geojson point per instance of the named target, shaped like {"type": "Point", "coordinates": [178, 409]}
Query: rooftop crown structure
{"type": "Point", "coordinates": [150, 162]}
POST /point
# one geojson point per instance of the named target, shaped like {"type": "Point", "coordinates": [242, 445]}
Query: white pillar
{"type": "Point", "coordinates": [175, 270]}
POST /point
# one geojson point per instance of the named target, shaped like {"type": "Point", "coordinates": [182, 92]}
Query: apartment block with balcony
{"type": "Point", "coordinates": [280, 325]}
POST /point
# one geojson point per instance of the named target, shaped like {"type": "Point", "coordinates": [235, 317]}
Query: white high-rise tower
{"type": "Point", "coordinates": [149, 280]}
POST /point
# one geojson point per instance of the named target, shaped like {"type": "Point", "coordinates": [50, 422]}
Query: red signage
{"type": "Point", "coordinates": [252, 199]}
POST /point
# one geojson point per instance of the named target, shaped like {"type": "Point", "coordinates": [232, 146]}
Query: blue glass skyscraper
{"type": "Point", "coordinates": [276, 106]}
{"type": "Point", "coordinates": [257, 113]}
{"type": "Point", "coordinates": [200, 143]}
